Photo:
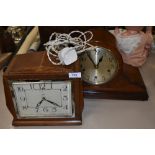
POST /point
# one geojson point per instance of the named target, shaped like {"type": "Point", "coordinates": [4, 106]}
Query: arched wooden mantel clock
{"type": "Point", "coordinates": [39, 93]}
{"type": "Point", "coordinates": [104, 73]}
{"type": "Point", "coordinates": [125, 83]}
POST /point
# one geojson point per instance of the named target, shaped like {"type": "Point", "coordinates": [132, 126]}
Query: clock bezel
{"type": "Point", "coordinates": [16, 104]}
{"type": "Point", "coordinates": [118, 67]}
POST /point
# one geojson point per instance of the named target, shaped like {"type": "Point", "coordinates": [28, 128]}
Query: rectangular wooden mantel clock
{"type": "Point", "coordinates": [40, 93]}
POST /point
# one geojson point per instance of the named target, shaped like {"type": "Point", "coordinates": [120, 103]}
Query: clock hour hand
{"type": "Point", "coordinates": [51, 102]}
{"type": "Point", "coordinates": [38, 105]}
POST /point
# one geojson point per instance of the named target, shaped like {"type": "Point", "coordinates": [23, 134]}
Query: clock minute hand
{"type": "Point", "coordinates": [51, 102]}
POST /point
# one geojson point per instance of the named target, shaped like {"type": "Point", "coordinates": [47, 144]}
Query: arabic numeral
{"type": "Point", "coordinates": [42, 86]}
{"type": "Point", "coordinates": [66, 107]}
{"type": "Point", "coordinates": [65, 88]}
{"type": "Point", "coordinates": [65, 98]}
{"type": "Point", "coordinates": [54, 109]}
{"type": "Point", "coordinates": [45, 109]}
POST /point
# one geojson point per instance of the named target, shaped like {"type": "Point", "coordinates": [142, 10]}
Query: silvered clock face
{"type": "Point", "coordinates": [43, 99]}
{"type": "Point", "coordinates": [98, 66]}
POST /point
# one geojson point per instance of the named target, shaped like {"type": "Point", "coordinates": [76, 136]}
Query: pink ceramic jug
{"type": "Point", "coordinates": [134, 44]}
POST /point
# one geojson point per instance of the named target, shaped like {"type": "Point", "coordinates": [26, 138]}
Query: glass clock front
{"type": "Point", "coordinates": [98, 66]}
{"type": "Point", "coordinates": [43, 99]}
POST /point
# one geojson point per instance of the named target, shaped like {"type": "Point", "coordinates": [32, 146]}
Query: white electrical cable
{"type": "Point", "coordinates": [58, 42]}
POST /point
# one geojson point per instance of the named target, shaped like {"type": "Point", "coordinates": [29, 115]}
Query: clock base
{"type": "Point", "coordinates": [54, 122]}
{"type": "Point", "coordinates": [128, 85]}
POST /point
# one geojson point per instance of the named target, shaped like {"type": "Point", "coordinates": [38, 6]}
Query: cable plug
{"type": "Point", "coordinates": [67, 55]}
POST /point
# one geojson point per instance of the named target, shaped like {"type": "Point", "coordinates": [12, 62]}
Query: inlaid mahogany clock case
{"type": "Point", "coordinates": [36, 66]}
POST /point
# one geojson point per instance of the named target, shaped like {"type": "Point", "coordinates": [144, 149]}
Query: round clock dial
{"type": "Point", "coordinates": [98, 66]}
{"type": "Point", "coordinates": [43, 99]}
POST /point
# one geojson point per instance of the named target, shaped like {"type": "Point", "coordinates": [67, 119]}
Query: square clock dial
{"type": "Point", "coordinates": [43, 99]}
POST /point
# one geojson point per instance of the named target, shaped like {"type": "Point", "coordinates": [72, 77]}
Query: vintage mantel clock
{"type": "Point", "coordinates": [105, 75]}
{"type": "Point", "coordinates": [103, 63]}
{"type": "Point", "coordinates": [39, 93]}
{"type": "Point", "coordinates": [103, 72]}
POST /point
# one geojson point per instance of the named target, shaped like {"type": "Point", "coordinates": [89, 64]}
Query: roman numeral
{"type": "Point", "coordinates": [20, 89]}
